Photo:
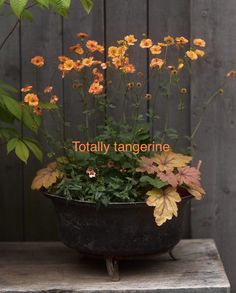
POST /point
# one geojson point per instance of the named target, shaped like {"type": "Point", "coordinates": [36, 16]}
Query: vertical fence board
{"type": "Point", "coordinates": [42, 37]}
{"type": "Point", "coordinates": [215, 142]}
{"type": "Point", "coordinates": [168, 19]}
{"type": "Point", "coordinates": [123, 18]}
{"type": "Point", "coordinates": [93, 25]}
{"type": "Point", "coordinates": [11, 180]}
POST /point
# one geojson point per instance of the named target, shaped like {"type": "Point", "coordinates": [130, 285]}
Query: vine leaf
{"type": "Point", "coordinates": [164, 202]}
{"type": "Point", "coordinates": [167, 161]}
{"type": "Point", "coordinates": [197, 191]}
{"type": "Point", "coordinates": [46, 177]}
{"type": "Point", "coordinates": [188, 175]}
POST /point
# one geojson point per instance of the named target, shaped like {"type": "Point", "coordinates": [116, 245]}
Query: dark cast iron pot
{"type": "Point", "coordinates": [117, 231]}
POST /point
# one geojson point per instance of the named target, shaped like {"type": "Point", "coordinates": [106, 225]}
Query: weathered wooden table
{"type": "Point", "coordinates": [51, 267]}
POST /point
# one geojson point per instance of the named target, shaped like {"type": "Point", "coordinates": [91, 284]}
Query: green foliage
{"type": "Point", "coordinates": [61, 6]}
{"type": "Point", "coordinates": [22, 148]}
{"type": "Point", "coordinates": [87, 4]}
{"type": "Point", "coordinates": [18, 6]}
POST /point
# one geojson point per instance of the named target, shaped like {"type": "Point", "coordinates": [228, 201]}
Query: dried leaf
{"type": "Point", "coordinates": [196, 190]}
{"type": "Point", "coordinates": [167, 161]}
{"type": "Point", "coordinates": [146, 165]}
{"type": "Point", "coordinates": [169, 177]}
{"type": "Point", "coordinates": [164, 202]}
{"type": "Point", "coordinates": [46, 177]}
{"type": "Point", "coordinates": [188, 175]}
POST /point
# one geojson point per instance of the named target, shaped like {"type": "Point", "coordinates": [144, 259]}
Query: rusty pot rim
{"type": "Point", "coordinates": [94, 204]}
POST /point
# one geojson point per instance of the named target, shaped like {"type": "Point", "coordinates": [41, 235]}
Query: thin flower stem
{"type": "Point", "coordinates": [204, 108]}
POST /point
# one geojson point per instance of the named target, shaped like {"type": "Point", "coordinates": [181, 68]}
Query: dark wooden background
{"type": "Point", "coordinates": [26, 215]}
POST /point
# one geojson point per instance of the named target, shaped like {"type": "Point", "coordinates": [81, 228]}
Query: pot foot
{"type": "Point", "coordinates": [170, 252]}
{"type": "Point", "coordinates": [112, 269]}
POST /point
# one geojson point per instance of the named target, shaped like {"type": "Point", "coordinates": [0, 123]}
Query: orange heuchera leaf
{"type": "Point", "coordinates": [188, 175]}
{"type": "Point", "coordinates": [46, 177]}
{"type": "Point", "coordinates": [167, 161]}
{"type": "Point", "coordinates": [146, 165]}
{"type": "Point", "coordinates": [164, 202]}
{"type": "Point", "coordinates": [169, 177]}
{"type": "Point", "coordinates": [196, 190]}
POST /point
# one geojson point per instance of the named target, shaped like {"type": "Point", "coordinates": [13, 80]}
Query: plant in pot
{"type": "Point", "coordinates": [120, 188]}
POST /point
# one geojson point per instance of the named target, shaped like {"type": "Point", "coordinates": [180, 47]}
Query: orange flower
{"type": "Point", "coordinates": [78, 66]}
{"type": "Point", "coordinates": [162, 44]}
{"type": "Point", "coordinates": [191, 55]}
{"type": "Point", "coordinates": [180, 41]}
{"type": "Point", "coordinates": [98, 75]}
{"type": "Point", "coordinates": [48, 89]}
{"type": "Point", "coordinates": [169, 40]}
{"type": "Point", "coordinates": [180, 66]}
{"type": "Point", "coordinates": [200, 53]}
{"type": "Point", "coordinates": [199, 42]}
{"type": "Point", "coordinates": [37, 61]}
{"type": "Point", "coordinates": [96, 88]}
{"type": "Point", "coordinates": [117, 62]}
{"type": "Point", "coordinates": [31, 99]}
{"type": "Point", "coordinates": [112, 51]}
{"type": "Point", "coordinates": [130, 39]}
{"type": "Point", "coordinates": [92, 45]}
{"type": "Point", "coordinates": [146, 43]}
{"type": "Point", "coordinates": [100, 48]}
{"type": "Point", "coordinates": [37, 111]}
{"type": "Point", "coordinates": [63, 58]}
{"type": "Point", "coordinates": [129, 68]}
{"type": "Point", "coordinates": [231, 73]}
{"type": "Point", "coordinates": [82, 35]}
{"type": "Point", "coordinates": [68, 65]}
{"type": "Point", "coordinates": [88, 62]}
{"type": "Point", "coordinates": [156, 49]}
{"type": "Point", "coordinates": [104, 65]}
{"type": "Point", "coordinates": [156, 62]}
{"type": "Point", "coordinates": [54, 99]}
{"type": "Point", "coordinates": [77, 49]}
{"type": "Point", "coordinates": [26, 88]}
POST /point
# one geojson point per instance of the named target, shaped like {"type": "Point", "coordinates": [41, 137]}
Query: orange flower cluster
{"type": "Point", "coordinates": [119, 54]}
{"type": "Point", "coordinates": [118, 57]}
{"type": "Point", "coordinates": [31, 98]}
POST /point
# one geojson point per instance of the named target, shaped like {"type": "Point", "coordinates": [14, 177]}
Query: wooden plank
{"type": "Point", "coordinates": [215, 142]}
{"type": "Point", "coordinates": [168, 19]}
{"type": "Point", "coordinates": [45, 40]}
{"type": "Point", "coordinates": [51, 267]}
{"type": "Point", "coordinates": [93, 25]}
{"type": "Point", "coordinates": [11, 202]}
{"type": "Point", "coordinates": [123, 18]}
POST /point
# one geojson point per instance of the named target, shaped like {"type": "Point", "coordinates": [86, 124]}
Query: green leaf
{"type": "Point", "coordinates": [60, 6]}
{"type": "Point", "coordinates": [44, 3]}
{"type": "Point", "coordinates": [11, 145]}
{"type": "Point", "coordinates": [48, 106]}
{"type": "Point", "coordinates": [27, 14]}
{"type": "Point", "coordinates": [18, 6]}
{"type": "Point", "coordinates": [7, 87]}
{"type": "Point", "coordinates": [154, 182]}
{"type": "Point", "coordinates": [30, 120]}
{"type": "Point", "coordinates": [1, 3]}
{"type": "Point", "coordinates": [6, 116]}
{"type": "Point", "coordinates": [34, 149]}
{"type": "Point", "coordinates": [22, 151]}
{"type": "Point", "coordinates": [87, 4]}
{"type": "Point", "coordinates": [6, 133]}
{"type": "Point", "coordinates": [13, 106]}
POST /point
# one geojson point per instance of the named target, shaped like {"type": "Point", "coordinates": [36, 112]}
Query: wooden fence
{"type": "Point", "coordinates": [26, 215]}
